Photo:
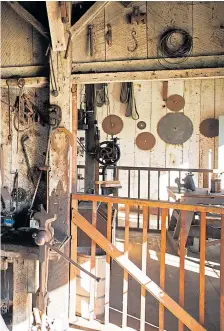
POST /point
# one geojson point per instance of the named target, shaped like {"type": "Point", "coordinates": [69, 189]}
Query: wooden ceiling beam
{"type": "Point", "coordinates": [91, 13]}
{"type": "Point", "coordinates": [57, 28]}
{"type": "Point", "coordinates": [110, 77]}
{"type": "Point", "coordinates": [22, 12]}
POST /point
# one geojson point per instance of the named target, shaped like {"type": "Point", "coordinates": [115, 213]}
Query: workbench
{"type": "Point", "coordinates": [192, 229]}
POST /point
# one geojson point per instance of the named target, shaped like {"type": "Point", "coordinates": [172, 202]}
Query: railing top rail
{"type": "Point", "coordinates": [148, 203]}
{"type": "Point", "coordinates": [158, 169]}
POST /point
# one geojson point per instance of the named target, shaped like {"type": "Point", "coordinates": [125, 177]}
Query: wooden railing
{"type": "Point", "coordinates": [157, 290]}
{"type": "Point", "coordinates": [153, 180]}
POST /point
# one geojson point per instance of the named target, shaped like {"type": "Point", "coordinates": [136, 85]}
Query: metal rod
{"type": "Point", "coordinates": [149, 185]}
{"type": "Point", "coordinates": [129, 183]}
{"type": "Point", "coordinates": [139, 178]}
{"type": "Point", "coordinates": [72, 262]}
{"type": "Point", "coordinates": [158, 215]}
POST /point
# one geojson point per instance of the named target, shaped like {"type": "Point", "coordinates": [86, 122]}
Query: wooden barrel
{"type": "Point", "coordinates": [83, 283]}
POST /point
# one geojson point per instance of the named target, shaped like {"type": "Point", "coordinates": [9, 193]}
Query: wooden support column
{"type": "Point", "coordinates": [60, 187]}
{"type": "Point", "coordinates": [73, 253]}
{"type": "Point", "coordinates": [90, 141]}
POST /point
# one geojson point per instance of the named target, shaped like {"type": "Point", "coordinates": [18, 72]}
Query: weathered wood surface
{"type": "Point", "coordinates": [151, 108]}
{"type": "Point", "coordinates": [145, 281]}
{"type": "Point", "coordinates": [60, 188]}
{"type": "Point", "coordinates": [209, 61]}
{"type": "Point", "coordinates": [21, 44]}
{"type": "Point", "coordinates": [57, 28]}
{"type": "Point", "coordinates": [203, 20]}
{"type": "Point", "coordinates": [109, 77]}
{"type": "Point", "coordinates": [21, 11]}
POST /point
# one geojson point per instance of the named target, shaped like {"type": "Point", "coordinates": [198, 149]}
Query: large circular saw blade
{"type": "Point", "coordinates": [175, 129]}
{"type": "Point", "coordinates": [112, 125]}
{"type": "Point", "coordinates": [210, 127]}
{"type": "Point", "coordinates": [145, 141]}
{"type": "Point", "coordinates": [175, 102]}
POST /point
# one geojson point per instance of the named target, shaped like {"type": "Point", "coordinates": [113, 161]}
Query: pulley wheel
{"type": "Point", "coordinates": [175, 129]}
{"type": "Point", "coordinates": [175, 102]}
{"type": "Point", "coordinates": [145, 141]}
{"type": "Point", "coordinates": [141, 125]}
{"type": "Point", "coordinates": [210, 127]}
{"type": "Point", "coordinates": [112, 125]}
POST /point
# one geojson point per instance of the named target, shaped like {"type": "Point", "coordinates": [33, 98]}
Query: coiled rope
{"type": "Point", "coordinates": [127, 96]}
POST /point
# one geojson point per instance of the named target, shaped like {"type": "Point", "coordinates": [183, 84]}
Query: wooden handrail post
{"type": "Point", "coordinates": [107, 279]}
{"type": "Point", "coordinates": [93, 266]}
{"type": "Point", "coordinates": [222, 276]}
{"type": "Point", "coordinates": [125, 279]}
{"type": "Point", "coordinates": [144, 263]}
{"type": "Point", "coordinates": [181, 271]}
{"type": "Point", "coordinates": [162, 265]}
{"type": "Point", "coordinates": [202, 268]}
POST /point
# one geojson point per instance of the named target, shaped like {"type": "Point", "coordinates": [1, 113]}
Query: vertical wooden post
{"type": "Point", "coordinates": [222, 276]}
{"type": "Point", "coordinates": [59, 195]}
{"type": "Point", "coordinates": [202, 268]}
{"type": "Point", "coordinates": [125, 280]}
{"type": "Point", "coordinates": [74, 243]}
{"type": "Point", "coordinates": [144, 262]}
{"type": "Point", "coordinates": [162, 266]}
{"type": "Point", "coordinates": [182, 260]}
{"type": "Point", "coordinates": [107, 280]}
{"type": "Point", "coordinates": [93, 266]}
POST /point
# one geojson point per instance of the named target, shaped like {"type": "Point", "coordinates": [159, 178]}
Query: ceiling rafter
{"type": "Point", "coordinates": [22, 12]}
{"type": "Point", "coordinates": [91, 13]}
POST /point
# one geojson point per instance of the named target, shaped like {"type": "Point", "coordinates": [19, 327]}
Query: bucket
{"type": "Point", "coordinates": [215, 185]}
{"type": "Point", "coordinates": [83, 282]}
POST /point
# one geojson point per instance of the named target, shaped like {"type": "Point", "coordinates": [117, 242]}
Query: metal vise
{"type": "Point", "coordinates": [136, 17]}
{"type": "Point", "coordinates": [188, 182]}
{"type": "Point", "coordinates": [45, 231]}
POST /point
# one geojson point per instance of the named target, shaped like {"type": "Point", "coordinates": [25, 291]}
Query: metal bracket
{"type": "Point", "coordinates": [108, 35]}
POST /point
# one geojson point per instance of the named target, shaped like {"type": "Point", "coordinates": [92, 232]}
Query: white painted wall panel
{"type": "Point", "coordinates": [203, 99]}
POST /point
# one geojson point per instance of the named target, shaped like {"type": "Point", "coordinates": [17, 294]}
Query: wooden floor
{"type": "Point", "coordinates": [172, 278]}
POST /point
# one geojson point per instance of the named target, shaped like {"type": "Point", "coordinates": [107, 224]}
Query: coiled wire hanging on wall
{"type": "Point", "coordinates": [169, 49]}
{"type": "Point", "coordinates": [127, 96]}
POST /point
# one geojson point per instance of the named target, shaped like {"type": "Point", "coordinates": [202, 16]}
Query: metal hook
{"type": "Point", "coordinates": [133, 34]}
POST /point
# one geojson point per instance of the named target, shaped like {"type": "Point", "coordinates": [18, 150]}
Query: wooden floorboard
{"type": "Point", "coordinates": [172, 277]}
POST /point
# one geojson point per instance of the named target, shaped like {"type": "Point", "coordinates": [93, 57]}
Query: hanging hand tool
{"type": "Point", "coordinates": [64, 12]}
{"type": "Point", "coordinates": [133, 34]}
{"type": "Point", "coordinates": [108, 35]}
{"type": "Point", "coordinates": [90, 37]}
{"type": "Point", "coordinates": [136, 17]}
{"type": "Point", "coordinates": [29, 171]}
{"type": "Point", "coordinates": [54, 121]}
{"type": "Point", "coordinates": [21, 83]}
{"type": "Point", "coordinates": [9, 113]}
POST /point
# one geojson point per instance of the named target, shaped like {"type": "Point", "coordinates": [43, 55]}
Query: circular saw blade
{"type": "Point", "coordinates": [175, 129]}
{"type": "Point", "coordinates": [175, 102]}
{"type": "Point", "coordinates": [112, 125]}
{"type": "Point", "coordinates": [141, 125]}
{"type": "Point", "coordinates": [210, 127]}
{"type": "Point", "coordinates": [145, 141]}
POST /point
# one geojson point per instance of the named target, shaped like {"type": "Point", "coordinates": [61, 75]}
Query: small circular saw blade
{"type": "Point", "coordinates": [141, 125]}
{"type": "Point", "coordinates": [145, 141]}
{"type": "Point", "coordinates": [175, 102]}
{"type": "Point", "coordinates": [175, 128]}
{"type": "Point", "coordinates": [112, 124]}
{"type": "Point", "coordinates": [210, 127]}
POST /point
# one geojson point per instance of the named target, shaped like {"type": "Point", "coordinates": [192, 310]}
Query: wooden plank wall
{"type": "Point", "coordinates": [203, 99]}
{"type": "Point", "coordinates": [35, 146]}
{"type": "Point", "coordinates": [203, 20]}
{"type": "Point", "coordinates": [21, 44]}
